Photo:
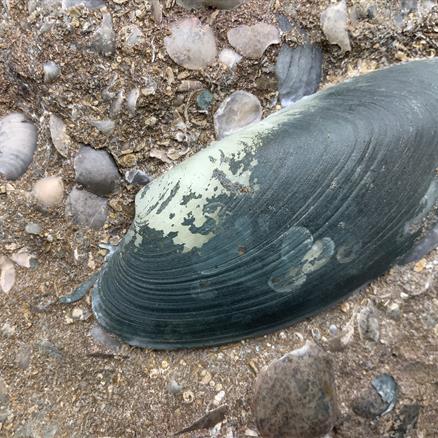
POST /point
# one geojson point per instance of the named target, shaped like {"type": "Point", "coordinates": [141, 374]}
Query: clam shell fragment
{"type": "Point", "coordinates": [18, 139]}
{"type": "Point", "coordinates": [281, 219]}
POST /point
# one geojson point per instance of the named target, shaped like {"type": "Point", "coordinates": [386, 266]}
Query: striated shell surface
{"type": "Point", "coordinates": [18, 139]}
{"type": "Point", "coordinates": [281, 219]}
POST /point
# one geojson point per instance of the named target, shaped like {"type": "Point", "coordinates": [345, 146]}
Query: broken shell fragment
{"type": "Point", "coordinates": [51, 71]}
{"type": "Point", "coordinates": [281, 219]}
{"type": "Point", "coordinates": [192, 44]}
{"type": "Point", "coordinates": [334, 25]}
{"type": "Point", "coordinates": [252, 41]}
{"type": "Point", "coordinates": [298, 72]}
{"type": "Point", "coordinates": [219, 4]}
{"type": "Point", "coordinates": [58, 133]}
{"type": "Point", "coordinates": [235, 112]}
{"type": "Point", "coordinates": [18, 138]}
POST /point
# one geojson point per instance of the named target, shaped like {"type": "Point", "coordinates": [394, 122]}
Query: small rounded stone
{"type": "Point", "coordinates": [295, 395]}
{"type": "Point", "coordinates": [96, 170]}
{"type": "Point", "coordinates": [48, 192]}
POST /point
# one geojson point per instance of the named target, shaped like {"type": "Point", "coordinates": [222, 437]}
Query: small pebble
{"type": "Point", "coordinates": [295, 396]}
{"type": "Point", "coordinates": [218, 398]}
{"type": "Point", "coordinates": [173, 387]}
{"type": "Point", "coordinates": [204, 100]}
{"type": "Point", "coordinates": [333, 330]}
{"type": "Point", "coordinates": [235, 112]}
{"type": "Point", "coordinates": [96, 171]}
{"type": "Point", "coordinates": [7, 330]}
{"type": "Point", "coordinates": [51, 71]}
{"type": "Point", "coordinates": [77, 313]}
{"type": "Point", "coordinates": [393, 311]}
{"type": "Point", "coordinates": [368, 323]}
{"type": "Point", "coordinates": [23, 357]}
{"type": "Point", "coordinates": [116, 105]}
{"type": "Point", "coordinates": [32, 228]}
{"type": "Point", "coordinates": [48, 192]}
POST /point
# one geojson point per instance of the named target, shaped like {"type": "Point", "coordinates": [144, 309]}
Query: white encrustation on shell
{"type": "Point", "coordinates": [18, 140]}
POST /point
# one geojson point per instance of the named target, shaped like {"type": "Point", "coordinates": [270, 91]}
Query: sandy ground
{"type": "Point", "coordinates": [55, 379]}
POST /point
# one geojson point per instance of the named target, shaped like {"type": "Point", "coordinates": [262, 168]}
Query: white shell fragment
{"type": "Point", "coordinates": [86, 209]}
{"type": "Point", "coordinates": [24, 259]}
{"type": "Point", "coordinates": [220, 4]}
{"type": "Point", "coordinates": [51, 71]}
{"type": "Point", "coordinates": [58, 133]}
{"type": "Point", "coordinates": [104, 126]}
{"type": "Point", "coordinates": [237, 111]}
{"type": "Point", "coordinates": [131, 100]}
{"type": "Point", "coordinates": [43, 5]}
{"type": "Point", "coordinates": [229, 58]}
{"type": "Point", "coordinates": [7, 274]}
{"type": "Point", "coordinates": [157, 11]}
{"type": "Point", "coordinates": [191, 45]}
{"type": "Point", "coordinates": [90, 4]}
{"type": "Point", "coordinates": [252, 41]}
{"type": "Point", "coordinates": [103, 39]}
{"type": "Point", "coordinates": [334, 25]}
{"type": "Point", "coordinates": [133, 36]}
{"type": "Point", "coordinates": [18, 138]}
{"type": "Point", "coordinates": [48, 192]}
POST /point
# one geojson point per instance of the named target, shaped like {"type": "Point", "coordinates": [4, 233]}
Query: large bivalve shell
{"type": "Point", "coordinates": [281, 219]}
{"type": "Point", "coordinates": [18, 139]}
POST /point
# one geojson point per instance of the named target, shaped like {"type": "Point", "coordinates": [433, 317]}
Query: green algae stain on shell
{"type": "Point", "coordinates": [281, 219]}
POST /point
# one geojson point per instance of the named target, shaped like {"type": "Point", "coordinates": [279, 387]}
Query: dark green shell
{"type": "Point", "coordinates": [282, 219]}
